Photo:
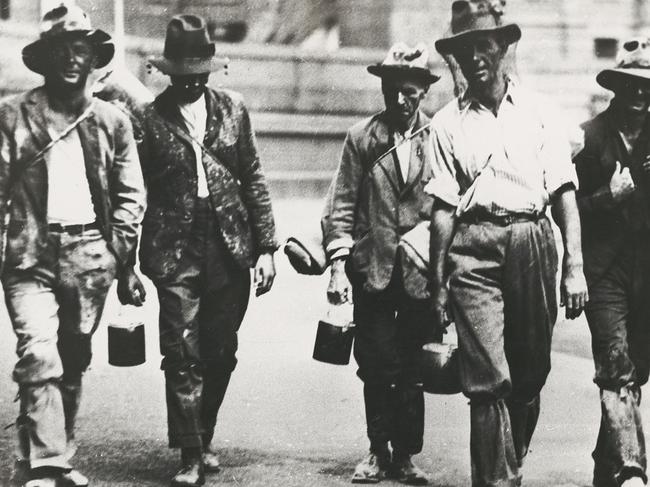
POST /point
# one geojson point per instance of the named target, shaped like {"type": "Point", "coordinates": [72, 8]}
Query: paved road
{"type": "Point", "coordinates": [291, 421]}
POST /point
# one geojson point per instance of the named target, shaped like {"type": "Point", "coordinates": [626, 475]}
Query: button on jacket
{"type": "Point", "coordinates": [112, 169]}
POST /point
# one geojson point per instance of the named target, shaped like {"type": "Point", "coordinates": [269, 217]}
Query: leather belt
{"type": "Point", "coordinates": [474, 217]}
{"type": "Point", "coordinates": [72, 229]}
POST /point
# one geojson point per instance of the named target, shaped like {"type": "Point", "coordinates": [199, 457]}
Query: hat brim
{"type": "Point", "coordinates": [608, 78]}
{"type": "Point", "coordinates": [35, 54]}
{"type": "Point", "coordinates": [403, 72]}
{"type": "Point", "coordinates": [189, 65]}
{"type": "Point", "coordinates": [510, 32]}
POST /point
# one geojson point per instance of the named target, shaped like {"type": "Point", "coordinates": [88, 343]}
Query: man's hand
{"type": "Point", "coordinates": [339, 290]}
{"type": "Point", "coordinates": [646, 165]}
{"type": "Point", "coordinates": [130, 289]}
{"type": "Point", "coordinates": [264, 273]}
{"type": "Point", "coordinates": [573, 291]}
{"type": "Point", "coordinates": [440, 306]}
{"type": "Point", "coordinates": [621, 185]}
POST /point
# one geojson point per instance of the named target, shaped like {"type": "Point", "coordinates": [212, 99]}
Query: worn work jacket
{"type": "Point", "coordinates": [112, 170]}
{"type": "Point", "coordinates": [368, 210]}
{"type": "Point", "coordinates": [606, 225]}
{"type": "Point", "coordinates": [238, 189]}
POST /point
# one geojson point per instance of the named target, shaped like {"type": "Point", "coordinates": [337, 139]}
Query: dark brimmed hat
{"type": "Point", "coordinates": [633, 62]}
{"type": "Point", "coordinates": [403, 61]}
{"type": "Point", "coordinates": [61, 22]}
{"type": "Point", "coordinates": [188, 49]}
{"type": "Point", "coordinates": [469, 18]}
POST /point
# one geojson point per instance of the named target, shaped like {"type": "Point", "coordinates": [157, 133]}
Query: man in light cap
{"type": "Point", "coordinates": [71, 200]}
{"type": "Point", "coordinates": [614, 202]}
{"type": "Point", "coordinates": [376, 196]}
{"type": "Point", "coordinates": [208, 221]}
{"type": "Point", "coordinates": [500, 159]}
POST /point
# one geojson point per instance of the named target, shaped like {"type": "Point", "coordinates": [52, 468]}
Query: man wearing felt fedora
{"type": "Point", "coordinates": [208, 221]}
{"type": "Point", "coordinates": [375, 197]}
{"type": "Point", "coordinates": [71, 202]}
{"type": "Point", "coordinates": [500, 158]}
{"type": "Point", "coordinates": [614, 201]}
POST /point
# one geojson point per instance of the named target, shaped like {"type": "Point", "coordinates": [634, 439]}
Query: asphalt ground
{"type": "Point", "coordinates": [291, 421]}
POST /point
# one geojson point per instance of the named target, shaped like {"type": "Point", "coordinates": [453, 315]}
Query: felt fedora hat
{"type": "Point", "coordinates": [633, 62]}
{"type": "Point", "coordinates": [188, 48]}
{"type": "Point", "coordinates": [403, 61]}
{"type": "Point", "coordinates": [470, 17]}
{"type": "Point", "coordinates": [65, 21]}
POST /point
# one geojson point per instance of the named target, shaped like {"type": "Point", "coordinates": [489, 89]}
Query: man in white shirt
{"type": "Point", "coordinates": [376, 197]}
{"type": "Point", "coordinates": [499, 160]}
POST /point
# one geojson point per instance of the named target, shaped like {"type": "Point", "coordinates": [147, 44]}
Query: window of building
{"type": "Point", "coordinates": [4, 9]}
{"type": "Point", "coordinates": [605, 47]}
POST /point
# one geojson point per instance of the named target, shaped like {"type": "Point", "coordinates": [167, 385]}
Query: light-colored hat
{"type": "Point", "coordinates": [633, 60]}
{"type": "Point", "coordinates": [403, 61]}
{"type": "Point", "coordinates": [66, 21]}
{"type": "Point", "coordinates": [188, 48]}
{"type": "Point", "coordinates": [469, 18]}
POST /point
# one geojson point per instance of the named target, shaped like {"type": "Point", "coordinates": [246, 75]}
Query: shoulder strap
{"type": "Point", "coordinates": [187, 137]}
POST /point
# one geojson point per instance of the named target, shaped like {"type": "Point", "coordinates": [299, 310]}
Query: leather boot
{"type": "Point", "coordinates": [191, 473]}
{"type": "Point", "coordinates": [373, 468]}
{"type": "Point", "coordinates": [406, 472]}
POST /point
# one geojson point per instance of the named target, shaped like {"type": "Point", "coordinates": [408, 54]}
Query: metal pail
{"type": "Point", "coordinates": [126, 346]}
{"type": "Point", "coordinates": [440, 368]}
{"type": "Point", "coordinates": [333, 343]}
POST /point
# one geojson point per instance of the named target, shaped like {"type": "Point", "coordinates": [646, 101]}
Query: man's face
{"type": "Point", "coordinates": [402, 99]}
{"type": "Point", "coordinates": [480, 58]}
{"type": "Point", "coordinates": [70, 63]}
{"type": "Point", "coordinates": [633, 96]}
{"type": "Point", "coordinates": [188, 88]}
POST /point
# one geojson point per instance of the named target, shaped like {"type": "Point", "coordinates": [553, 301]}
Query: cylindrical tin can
{"type": "Point", "coordinates": [126, 345]}
{"type": "Point", "coordinates": [440, 368]}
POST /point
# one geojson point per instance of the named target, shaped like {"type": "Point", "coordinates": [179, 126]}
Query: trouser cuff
{"type": "Point", "coordinates": [186, 441]}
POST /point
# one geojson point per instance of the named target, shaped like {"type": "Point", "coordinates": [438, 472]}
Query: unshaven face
{"type": "Point", "coordinates": [402, 98]}
{"type": "Point", "coordinates": [188, 88]}
{"type": "Point", "coordinates": [70, 62]}
{"type": "Point", "coordinates": [480, 57]}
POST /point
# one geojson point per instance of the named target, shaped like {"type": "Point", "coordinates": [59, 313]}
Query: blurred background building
{"type": "Point", "coordinates": [301, 63]}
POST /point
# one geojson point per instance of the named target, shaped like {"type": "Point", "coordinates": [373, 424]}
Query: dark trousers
{"type": "Point", "coordinates": [201, 310]}
{"type": "Point", "coordinates": [391, 328]}
{"type": "Point", "coordinates": [502, 286]}
{"type": "Point", "coordinates": [618, 313]}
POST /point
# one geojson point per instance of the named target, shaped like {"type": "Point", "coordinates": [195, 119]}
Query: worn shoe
{"type": "Point", "coordinates": [190, 475]}
{"type": "Point", "coordinates": [372, 469]}
{"type": "Point", "coordinates": [633, 482]}
{"type": "Point", "coordinates": [74, 478]}
{"type": "Point", "coordinates": [20, 472]}
{"type": "Point", "coordinates": [211, 461]}
{"type": "Point", "coordinates": [404, 471]}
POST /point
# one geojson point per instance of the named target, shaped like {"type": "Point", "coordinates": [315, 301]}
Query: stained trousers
{"type": "Point", "coordinates": [502, 293]}
{"type": "Point", "coordinates": [391, 328]}
{"type": "Point", "coordinates": [618, 314]}
{"type": "Point", "coordinates": [55, 307]}
{"type": "Point", "coordinates": [201, 310]}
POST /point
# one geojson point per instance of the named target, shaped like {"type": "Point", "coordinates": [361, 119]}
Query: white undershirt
{"type": "Point", "coordinates": [68, 194]}
{"type": "Point", "coordinates": [403, 149]}
{"type": "Point", "coordinates": [196, 116]}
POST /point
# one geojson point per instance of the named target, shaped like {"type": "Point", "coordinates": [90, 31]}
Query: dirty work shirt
{"type": "Point", "coordinates": [519, 157]}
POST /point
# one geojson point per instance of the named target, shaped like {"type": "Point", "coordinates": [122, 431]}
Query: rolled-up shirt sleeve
{"type": "Point", "coordinates": [443, 184]}
{"type": "Point", "coordinates": [555, 154]}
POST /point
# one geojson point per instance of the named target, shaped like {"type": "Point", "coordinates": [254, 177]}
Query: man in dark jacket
{"type": "Point", "coordinates": [614, 203]}
{"type": "Point", "coordinates": [376, 197]}
{"type": "Point", "coordinates": [71, 199]}
{"type": "Point", "coordinates": [208, 221]}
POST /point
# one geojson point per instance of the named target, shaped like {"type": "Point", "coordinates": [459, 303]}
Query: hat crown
{"type": "Point", "coordinates": [469, 15]}
{"type": "Point", "coordinates": [187, 37]}
{"type": "Point", "coordinates": [634, 54]}
{"type": "Point", "coordinates": [400, 54]}
{"type": "Point", "coordinates": [64, 19]}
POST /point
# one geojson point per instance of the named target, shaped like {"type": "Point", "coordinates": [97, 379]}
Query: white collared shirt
{"type": "Point", "coordinates": [403, 150]}
{"type": "Point", "coordinates": [195, 116]}
{"type": "Point", "coordinates": [519, 157]}
{"type": "Point", "coordinates": [68, 194]}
